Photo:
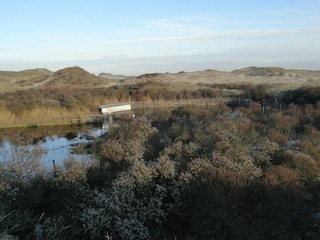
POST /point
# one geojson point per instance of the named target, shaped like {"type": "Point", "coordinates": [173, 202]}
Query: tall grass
{"type": "Point", "coordinates": [42, 116]}
{"type": "Point", "coordinates": [6, 118]}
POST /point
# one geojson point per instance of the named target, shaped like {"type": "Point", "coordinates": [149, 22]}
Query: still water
{"type": "Point", "coordinates": [56, 143]}
{"type": "Point", "coordinates": [60, 147]}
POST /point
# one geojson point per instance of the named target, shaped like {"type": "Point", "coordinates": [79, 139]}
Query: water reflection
{"type": "Point", "coordinates": [59, 148]}
{"type": "Point", "coordinates": [58, 143]}
{"type": "Point", "coordinates": [110, 120]}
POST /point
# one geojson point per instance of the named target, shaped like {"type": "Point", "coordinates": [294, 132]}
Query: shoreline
{"type": "Point", "coordinates": [98, 118]}
{"type": "Point", "coordinates": [94, 119]}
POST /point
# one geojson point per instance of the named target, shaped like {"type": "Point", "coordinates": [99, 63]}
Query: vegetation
{"type": "Point", "coordinates": [52, 106]}
{"type": "Point", "coordinates": [186, 173]}
{"type": "Point", "coordinates": [248, 169]}
{"type": "Point", "coordinates": [39, 97]}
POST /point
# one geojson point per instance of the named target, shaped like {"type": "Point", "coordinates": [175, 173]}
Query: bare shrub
{"type": "Point", "coordinates": [73, 171]}
{"type": "Point", "coordinates": [283, 177]}
{"type": "Point", "coordinates": [20, 163]}
{"type": "Point", "coordinates": [277, 136]}
{"type": "Point", "coordinates": [306, 166]}
{"type": "Point", "coordinates": [285, 124]}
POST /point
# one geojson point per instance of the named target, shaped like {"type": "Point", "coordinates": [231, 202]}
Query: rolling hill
{"type": "Point", "coordinates": [112, 77]}
{"type": "Point", "coordinates": [252, 75]}
{"type": "Point", "coordinates": [76, 77]}
{"type": "Point", "coordinates": [42, 78]}
{"type": "Point", "coordinates": [7, 76]}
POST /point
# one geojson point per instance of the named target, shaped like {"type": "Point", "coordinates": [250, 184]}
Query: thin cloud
{"type": "Point", "coordinates": [4, 49]}
{"type": "Point", "coordinates": [213, 35]}
{"type": "Point", "coordinates": [232, 37]}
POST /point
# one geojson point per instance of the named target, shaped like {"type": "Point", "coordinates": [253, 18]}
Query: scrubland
{"type": "Point", "coordinates": [245, 169]}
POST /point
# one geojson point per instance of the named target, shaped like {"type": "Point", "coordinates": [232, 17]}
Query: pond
{"type": "Point", "coordinates": [52, 143]}
{"type": "Point", "coordinates": [56, 143]}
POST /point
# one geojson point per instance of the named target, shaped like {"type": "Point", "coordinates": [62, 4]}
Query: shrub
{"type": "Point", "coordinates": [51, 228]}
{"type": "Point", "coordinates": [181, 154]}
{"type": "Point", "coordinates": [15, 222]}
{"type": "Point", "coordinates": [258, 92]}
{"type": "Point", "coordinates": [284, 177]}
{"type": "Point", "coordinates": [306, 166]}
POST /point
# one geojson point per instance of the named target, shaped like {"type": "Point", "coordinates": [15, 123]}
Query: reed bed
{"type": "Point", "coordinates": [41, 116]}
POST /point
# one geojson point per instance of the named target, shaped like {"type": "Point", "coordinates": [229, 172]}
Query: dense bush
{"type": "Point", "coordinates": [259, 92]}
{"type": "Point", "coordinates": [21, 102]}
{"type": "Point", "coordinates": [189, 173]}
{"type": "Point", "coordinates": [304, 95]}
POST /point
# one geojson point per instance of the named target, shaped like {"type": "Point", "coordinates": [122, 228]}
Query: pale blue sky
{"type": "Point", "coordinates": [135, 37]}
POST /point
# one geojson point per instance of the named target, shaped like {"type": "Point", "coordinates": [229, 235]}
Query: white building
{"type": "Point", "coordinates": [113, 108]}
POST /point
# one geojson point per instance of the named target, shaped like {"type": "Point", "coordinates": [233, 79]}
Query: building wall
{"type": "Point", "coordinates": [112, 109]}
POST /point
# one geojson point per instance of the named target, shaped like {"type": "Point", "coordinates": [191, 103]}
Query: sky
{"type": "Point", "coordinates": [133, 37]}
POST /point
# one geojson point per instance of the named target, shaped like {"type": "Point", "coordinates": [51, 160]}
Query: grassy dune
{"type": "Point", "coordinates": [11, 81]}
{"type": "Point", "coordinates": [65, 96]}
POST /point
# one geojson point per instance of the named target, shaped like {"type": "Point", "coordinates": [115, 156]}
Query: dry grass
{"type": "Point", "coordinates": [6, 118]}
{"type": "Point", "coordinates": [42, 78]}
{"type": "Point", "coordinates": [12, 81]}
{"type": "Point", "coordinates": [75, 78]}
{"type": "Point", "coordinates": [279, 79]}
{"type": "Point", "coordinates": [41, 116]}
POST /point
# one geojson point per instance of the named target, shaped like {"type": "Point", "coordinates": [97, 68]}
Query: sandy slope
{"type": "Point", "coordinates": [292, 77]}
{"type": "Point", "coordinates": [78, 77]}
